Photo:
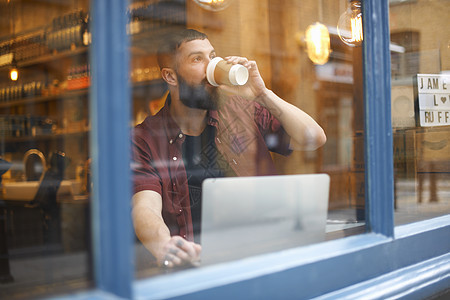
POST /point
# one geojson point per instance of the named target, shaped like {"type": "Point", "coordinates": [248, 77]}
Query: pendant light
{"type": "Point", "coordinates": [349, 26]}
{"type": "Point", "coordinates": [316, 41]}
{"type": "Point", "coordinates": [213, 5]}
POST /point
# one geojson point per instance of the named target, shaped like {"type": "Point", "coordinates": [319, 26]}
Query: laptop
{"type": "Point", "coordinates": [247, 216]}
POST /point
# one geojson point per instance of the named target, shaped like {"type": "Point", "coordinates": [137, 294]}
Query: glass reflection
{"type": "Point", "coordinates": [228, 144]}
{"type": "Point", "coordinates": [44, 125]}
{"type": "Point", "coordinates": [420, 67]}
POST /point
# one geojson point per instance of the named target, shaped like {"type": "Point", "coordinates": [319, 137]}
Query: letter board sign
{"type": "Point", "coordinates": [433, 95]}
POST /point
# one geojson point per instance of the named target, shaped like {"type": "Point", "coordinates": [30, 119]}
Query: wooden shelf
{"type": "Point", "coordinates": [157, 84]}
{"type": "Point", "coordinates": [51, 57]}
{"type": "Point", "coordinates": [48, 58]}
{"type": "Point", "coordinates": [45, 137]}
{"type": "Point", "coordinates": [41, 99]}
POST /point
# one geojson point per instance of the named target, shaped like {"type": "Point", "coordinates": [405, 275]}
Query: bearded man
{"type": "Point", "coordinates": [204, 131]}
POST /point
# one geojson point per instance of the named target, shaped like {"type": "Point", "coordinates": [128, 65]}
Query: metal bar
{"type": "Point", "coordinates": [420, 281]}
{"type": "Point", "coordinates": [307, 272]}
{"type": "Point", "coordinates": [110, 149]}
{"type": "Point", "coordinates": [377, 112]}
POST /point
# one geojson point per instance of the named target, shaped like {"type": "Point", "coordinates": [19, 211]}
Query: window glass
{"type": "Point", "coordinates": [316, 81]}
{"type": "Point", "coordinates": [44, 149]}
{"type": "Point", "coordinates": [420, 58]}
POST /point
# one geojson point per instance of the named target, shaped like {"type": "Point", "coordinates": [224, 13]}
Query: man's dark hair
{"type": "Point", "coordinates": [170, 44]}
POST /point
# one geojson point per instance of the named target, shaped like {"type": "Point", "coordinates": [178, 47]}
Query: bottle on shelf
{"type": "Point", "coordinates": [78, 77]}
{"type": "Point", "coordinates": [68, 32]}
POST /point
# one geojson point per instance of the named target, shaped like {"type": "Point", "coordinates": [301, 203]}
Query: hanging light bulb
{"type": "Point", "coordinates": [14, 74]}
{"type": "Point", "coordinates": [213, 5]}
{"type": "Point", "coordinates": [350, 27]}
{"type": "Point", "coordinates": [317, 40]}
{"type": "Point", "coordinates": [14, 71]}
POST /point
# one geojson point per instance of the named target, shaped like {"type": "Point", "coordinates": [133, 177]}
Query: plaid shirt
{"type": "Point", "coordinates": [245, 133]}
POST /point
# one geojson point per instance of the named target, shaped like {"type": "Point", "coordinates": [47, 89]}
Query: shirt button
{"type": "Point", "coordinates": [174, 158]}
{"type": "Point", "coordinates": [180, 135]}
{"type": "Point", "coordinates": [234, 161]}
{"type": "Point", "coordinates": [184, 236]}
{"type": "Point", "coordinates": [171, 141]}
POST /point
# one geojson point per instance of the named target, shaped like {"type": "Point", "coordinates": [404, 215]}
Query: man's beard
{"type": "Point", "coordinates": [202, 96]}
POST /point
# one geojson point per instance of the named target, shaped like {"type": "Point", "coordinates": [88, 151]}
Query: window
{"type": "Point", "coordinates": [330, 92]}
{"type": "Point", "coordinates": [343, 256]}
{"type": "Point", "coordinates": [332, 269]}
{"type": "Point", "coordinates": [44, 148]}
{"type": "Point", "coordinates": [421, 145]}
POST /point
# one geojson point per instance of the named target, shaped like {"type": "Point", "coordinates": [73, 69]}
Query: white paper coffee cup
{"type": "Point", "coordinates": [220, 72]}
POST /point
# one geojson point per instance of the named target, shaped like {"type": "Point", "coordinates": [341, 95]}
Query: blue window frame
{"type": "Point", "coordinates": [110, 109]}
{"type": "Point", "coordinates": [339, 268]}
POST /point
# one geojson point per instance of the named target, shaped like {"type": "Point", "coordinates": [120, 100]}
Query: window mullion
{"type": "Point", "coordinates": [378, 130]}
{"type": "Point", "coordinates": [110, 108]}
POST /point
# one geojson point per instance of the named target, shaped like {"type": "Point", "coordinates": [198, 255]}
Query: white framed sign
{"type": "Point", "coordinates": [433, 91]}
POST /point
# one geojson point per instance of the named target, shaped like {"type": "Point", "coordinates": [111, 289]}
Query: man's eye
{"type": "Point", "coordinates": [197, 59]}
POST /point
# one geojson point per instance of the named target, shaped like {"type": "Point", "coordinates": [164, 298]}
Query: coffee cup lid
{"type": "Point", "coordinates": [238, 75]}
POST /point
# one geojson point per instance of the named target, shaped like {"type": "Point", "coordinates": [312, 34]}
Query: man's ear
{"type": "Point", "coordinates": [169, 76]}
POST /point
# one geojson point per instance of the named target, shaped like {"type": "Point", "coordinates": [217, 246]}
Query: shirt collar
{"type": "Point", "coordinates": [173, 131]}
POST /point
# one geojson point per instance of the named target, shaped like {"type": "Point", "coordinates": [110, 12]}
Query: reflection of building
{"type": "Point", "coordinates": [340, 114]}
{"type": "Point", "coordinates": [419, 47]}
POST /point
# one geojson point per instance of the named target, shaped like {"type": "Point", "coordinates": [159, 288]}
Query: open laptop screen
{"type": "Point", "coordinates": [245, 216]}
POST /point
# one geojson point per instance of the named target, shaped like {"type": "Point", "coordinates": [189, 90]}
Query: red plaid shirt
{"type": "Point", "coordinates": [245, 132]}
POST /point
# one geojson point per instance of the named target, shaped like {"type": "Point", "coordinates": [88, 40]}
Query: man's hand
{"type": "Point", "coordinates": [155, 236]}
{"type": "Point", "coordinates": [178, 252]}
{"type": "Point", "coordinates": [255, 85]}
